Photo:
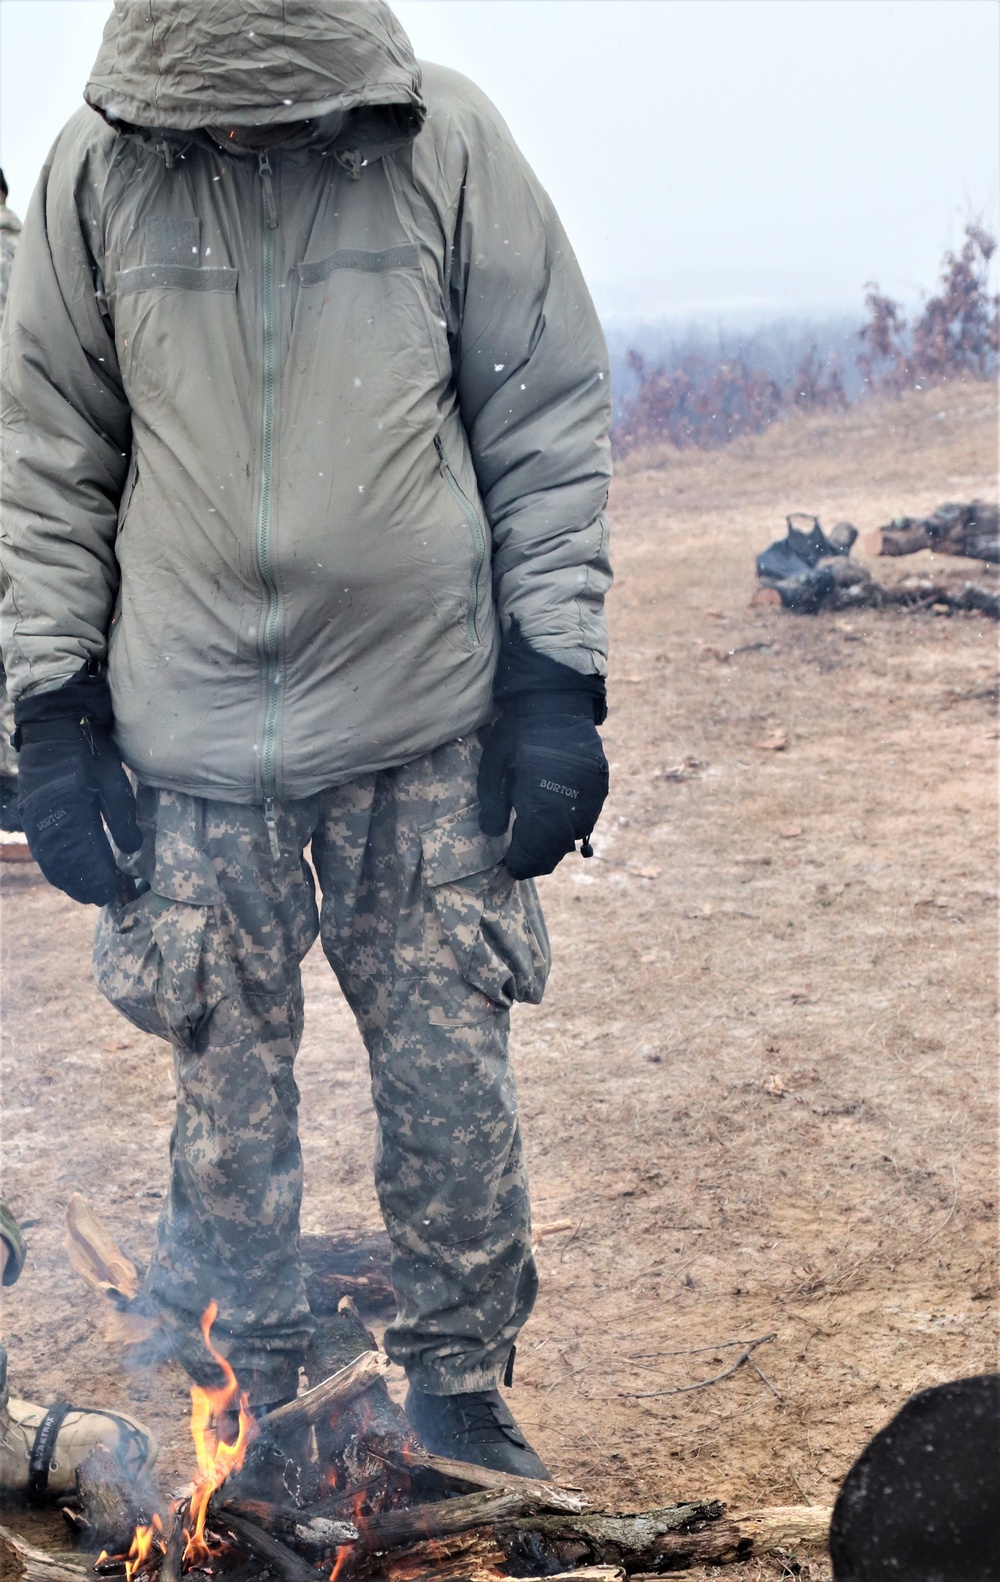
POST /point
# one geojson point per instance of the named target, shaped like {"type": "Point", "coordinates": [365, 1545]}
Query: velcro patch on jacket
{"type": "Point", "coordinates": [406, 256]}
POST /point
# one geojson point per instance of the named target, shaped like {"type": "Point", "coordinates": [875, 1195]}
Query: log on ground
{"type": "Point", "coordinates": [22, 1562]}
{"type": "Point", "coordinates": [351, 1263]}
{"type": "Point", "coordinates": [670, 1539]}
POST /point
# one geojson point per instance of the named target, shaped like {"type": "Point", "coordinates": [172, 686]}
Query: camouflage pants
{"type": "Point", "coordinates": [431, 941]}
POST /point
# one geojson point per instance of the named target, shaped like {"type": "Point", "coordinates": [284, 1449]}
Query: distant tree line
{"type": "Point", "coordinates": [703, 396]}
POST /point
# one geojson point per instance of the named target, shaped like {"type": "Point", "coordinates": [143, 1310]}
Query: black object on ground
{"type": "Point", "coordinates": [922, 1501]}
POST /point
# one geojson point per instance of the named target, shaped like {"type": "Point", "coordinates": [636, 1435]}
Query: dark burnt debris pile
{"type": "Point", "coordinates": [809, 570]}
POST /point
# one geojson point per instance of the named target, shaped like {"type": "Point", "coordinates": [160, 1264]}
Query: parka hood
{"type": "Point", "coordinates": [179, 65]}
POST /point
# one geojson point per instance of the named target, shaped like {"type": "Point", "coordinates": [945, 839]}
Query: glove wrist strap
{"type": "Point", "coordinates": [84, 698]}
{"type": "Point", "coordinates": [551, 706]}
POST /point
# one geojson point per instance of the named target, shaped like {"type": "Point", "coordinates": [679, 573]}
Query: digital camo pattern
{"type": "Point", "coordinates": [432, 941]}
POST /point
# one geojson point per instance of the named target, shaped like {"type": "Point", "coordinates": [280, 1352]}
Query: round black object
{"type": "Point", "coordinates": [922, 1501]}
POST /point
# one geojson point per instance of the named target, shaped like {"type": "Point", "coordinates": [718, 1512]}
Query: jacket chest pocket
{"type": "Point", "coordinates": [174, 333]}
{"type": "Point", "coordinates": [368, 311]}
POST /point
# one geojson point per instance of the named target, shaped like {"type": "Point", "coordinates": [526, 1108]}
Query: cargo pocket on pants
{"type": "Point", "coordinates": [151, 962]}
{"type": "Point", "coordinates": [492, 923]}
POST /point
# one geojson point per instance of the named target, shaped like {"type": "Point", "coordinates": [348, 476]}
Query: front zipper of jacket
{"type": "Point", "coordinates": [269, 645]}
{"type": "Point", "coordinates": [478, 538]}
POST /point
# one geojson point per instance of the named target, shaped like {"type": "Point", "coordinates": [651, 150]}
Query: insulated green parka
{"type": "Point", "coordinates": [288, 437]}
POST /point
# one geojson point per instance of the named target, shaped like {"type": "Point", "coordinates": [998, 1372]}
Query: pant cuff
{"type": "Point", "coordinates": [449, 1381]}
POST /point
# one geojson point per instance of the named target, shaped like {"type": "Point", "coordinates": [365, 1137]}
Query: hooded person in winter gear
{"type": "Point", "coordinates": [306, 413]}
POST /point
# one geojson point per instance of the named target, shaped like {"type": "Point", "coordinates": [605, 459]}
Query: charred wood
{"type": "Point", "coordinates": [444, 1518]}
{"type": "Point", "coordinates": [367, 1443]}
{"type": "Point", "coordinates": [475, 1556]}
{"type": "Point", "coordinates": [110, 1506]}
{"type": "Point", "coordinates": [671, 1539]}
{"type": "Point", "coordinates": [637, 1542]}
{"type": "Point", "coordinates": [173, 1554]}
{"type": "Point", "coordinates": [279, 1558]}
{"type": "Point", "coordinates": [310, 1530]}
{"type": "Point", "coordinates": [351, 1263]}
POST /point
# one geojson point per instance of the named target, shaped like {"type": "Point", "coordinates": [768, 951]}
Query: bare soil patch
{"type": "Point", "coordinates": [762, 1084]}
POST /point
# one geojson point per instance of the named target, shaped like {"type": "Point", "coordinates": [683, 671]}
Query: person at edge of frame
{"type": "Point", "coordinates": [42, 1446]}
{"type": "Point", "coordinates": [306, 413]}
{"type": "Point", "coordinates": [10, 822]}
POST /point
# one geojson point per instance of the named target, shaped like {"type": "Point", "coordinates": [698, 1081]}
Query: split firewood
{"type": "Point", "coordinates": [588, 1574]}
{"type": "Point", "coordinates": [464, 1475]}
{"type": "Point", "coordinates": [108, 1506]}
{"type": "Point", "coordinates": [327, 1398]}
{"type": "Point", "coordinates": [96, 1257]}
{"type": "Point", "coordinates": [22, 1562]}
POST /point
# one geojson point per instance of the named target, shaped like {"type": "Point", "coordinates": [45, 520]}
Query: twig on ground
{"type": "Point", "coordinates": [628, 867]}
{"type": "Point", "coordinates": [761, 1374]}
{"type": "Point", "coordinates": [703, 1384]}
{"type": "Point", "coordinates": [686, 1351]}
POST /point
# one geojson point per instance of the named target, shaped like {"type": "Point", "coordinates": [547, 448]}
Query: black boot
{"type": "Point", "coordinates": [474, 1427]}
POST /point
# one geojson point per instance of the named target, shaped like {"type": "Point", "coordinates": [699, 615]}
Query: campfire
{"type": "Point", "coordinates": [334, 1487]}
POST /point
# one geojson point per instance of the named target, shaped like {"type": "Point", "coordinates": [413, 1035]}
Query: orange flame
{"type": "Point", "coordinates": [216, 1458]}
{"type": "Point", "coordinates": [338, 1565]}
{"type": "Point", "coordinates": [142, 1546]}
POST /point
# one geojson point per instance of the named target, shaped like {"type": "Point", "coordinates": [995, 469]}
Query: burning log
{"type": "Point", "coordinates": [178, 1545]}
{"type": "Point", "coordinates": [325, 1399]}
{"type": "Point", "coordinates": [278, 1557]}
{"type": "Point", "coordinates": [311, 1529]}
{"type": "Point", "coordinates": [108, 1507]}
{"type": "Point", "coordinates": [368, 1445]}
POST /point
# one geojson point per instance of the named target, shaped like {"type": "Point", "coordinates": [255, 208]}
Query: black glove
{"type": "Point", "coordinates": [69, 775]}
{"type": "Point", "coordinates": [542, 759]}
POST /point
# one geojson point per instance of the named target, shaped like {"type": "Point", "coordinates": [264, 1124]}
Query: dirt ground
{"type": "Point", "coordinates": [762, 1084]}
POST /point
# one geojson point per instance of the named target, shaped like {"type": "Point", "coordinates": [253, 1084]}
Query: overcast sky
{"type": "Point", "coordinates": [707, 156]}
